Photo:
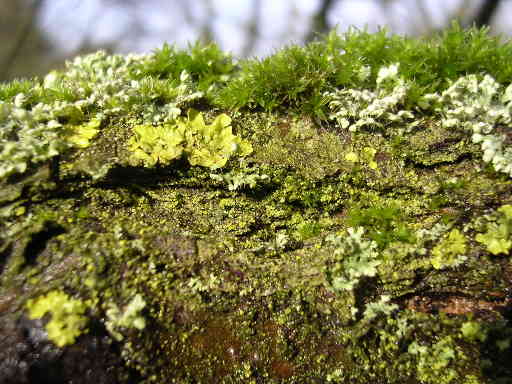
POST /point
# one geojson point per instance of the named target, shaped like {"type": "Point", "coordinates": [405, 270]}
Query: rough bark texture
{"type": "Point", "coordinates": [348, 257]}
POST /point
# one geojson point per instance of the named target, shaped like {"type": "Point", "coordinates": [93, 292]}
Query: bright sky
{"type": "Point", "coordinates": [282, 21]}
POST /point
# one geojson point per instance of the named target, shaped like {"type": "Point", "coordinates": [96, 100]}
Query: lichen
{"type": "Point", "coordinates": [450, 251]}
{"type": "Point", "coordinates": [498, 238]}
{"type": "Point", "coordinates": [206, 145]}
{"type": "Point", "coordinates": [240, 179]}
{"type": "Point", "coordinates": [434, 361]}
{"type": "Point", "coordinates": [81, 135]}
{"type": "Point", "coordinates": [357, 258]}
{"type": "Point", "coordinates": [478, 106]}
{"type": "Point", "coordinates": [353, 253]}
{"type": "Point", "coordinates": [129, 317]}
{"type": "Point", "coordinates": [354, 109]}
{"type": "Point", "coordinates": [67, 320]}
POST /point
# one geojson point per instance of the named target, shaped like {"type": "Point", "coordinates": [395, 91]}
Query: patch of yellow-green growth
{"type": "Point", "coordinates": [498, 238]}
{"type": "Point", "coordinates": [296, 142]}
{"type": "Point", "coordinates": [435, 361]}
{"type": "Point", "coordinates": [473, 331]}
{"type": "Point", "coordinates": [308, 229]}
{"type": "Point", "coordinates": [207, 145]}
{"type": "Point", "coordinates": [82, 134]}
{"type": "Point", "coordinates": [450, 251]}
{"type": "Point", "coordinates": [67, 316]}
{"type": "Point", "coordinates": [367, 156]}
{"type": "Point", "coordinates": [129, 317]}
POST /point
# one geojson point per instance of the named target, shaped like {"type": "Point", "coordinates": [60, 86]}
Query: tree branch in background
{"type": "Point", "coordinates": [484, 14]}
{"type": "Point", "coordinates": [253, 32]}
{"type": "Point", "coordinates": [206, 32]}
{"type": "Point", "coordinates": [20, 39]}
{"type": "Point", "coordinates": [320, 25]}
{"type": "Point", "coordinates": [426, 17]}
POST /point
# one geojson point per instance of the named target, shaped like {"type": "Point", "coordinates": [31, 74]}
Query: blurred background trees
{"type": "Point", "coordinates": [37, 35]}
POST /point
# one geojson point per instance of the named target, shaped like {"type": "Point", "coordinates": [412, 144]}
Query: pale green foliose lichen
{"type": "Point", "coordinates": [472, 330]}
{"type": "Point", "coordinates": [434, 361]}
{"type": "Point", "coordinates": [357, 257]}
{"type": "Point", "coordinates": [27, 136]}
{"type": "Point", "coordinates": [470, 103]}
{"type": "Point", "coordinates": [128, 317]}
{"type": "Point", "coordinates": [207, 145]}
{"type": "Point", "coordinates": [93, 87]}
{"type": "Point", "coordinates": [381, 307]}
{"type": "Point", "coordinates": [478, 106]}
{"type": "Point", "coordinates": [110, 84]}
{"type": "Point", "coordinates": [237, 180]}
{"type": "Point", "coordinates": [450, 251]}
{"type": "Point", "coordinates": [82, 134]}
{"type": "Point", "coordinates": [366, 156]}
{"type": "Point", "coordinates": [67, 316]}
{"type": "Point", "coordinates": [498, 238]}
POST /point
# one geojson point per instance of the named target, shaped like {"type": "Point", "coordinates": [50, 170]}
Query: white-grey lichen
{"type": "Point", "coordinates": [358, 108]}
{"type": "Point", "coordinates": [236, 180]}
{"type": "Point", "coordinates": [92, 87]}
{"type": "Point", "coordinates": [128, 317]}
{"type": "Point", "coordinates": [475, 103]}
{"type": "Point", "coordinates": [27, 136]}
{"type": "Point", "coordinates": [357, 258]}
{"type": "Point", "coordinates": [479, 106]}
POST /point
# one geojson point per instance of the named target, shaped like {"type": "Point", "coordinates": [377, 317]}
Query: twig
{"type": "Point", "coordinates": [320, 24]}
{"type": "Point", "coordinates": [484, 15]}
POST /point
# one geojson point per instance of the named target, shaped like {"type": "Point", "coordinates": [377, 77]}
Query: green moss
{"type": "Point", "coordinates": [296, 76]}
{"type": "Point", "coordinates": [207, 65]}
{"type": "Point", "coordinates": [328, 252]}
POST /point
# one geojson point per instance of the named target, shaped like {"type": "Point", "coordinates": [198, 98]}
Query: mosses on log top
{"type": "Point", "coordinates": [339, 212]}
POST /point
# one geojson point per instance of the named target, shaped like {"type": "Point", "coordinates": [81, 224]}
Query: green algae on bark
{"type": "Point", "coordinates": [366, 243]}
